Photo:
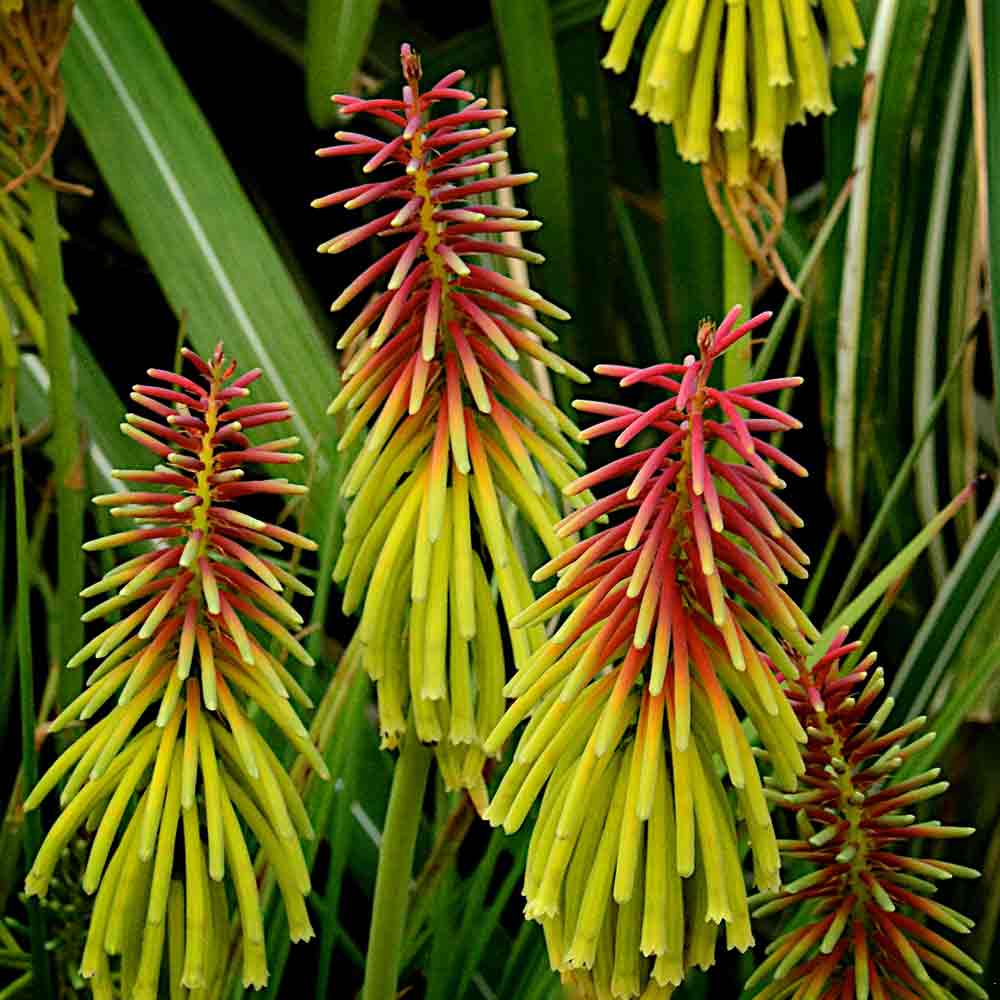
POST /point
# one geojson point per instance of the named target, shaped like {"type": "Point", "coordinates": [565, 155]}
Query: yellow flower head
{"type": "Point", "coordinates": [729, 75]}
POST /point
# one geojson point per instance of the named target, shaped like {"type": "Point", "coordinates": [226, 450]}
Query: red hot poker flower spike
{"type": "Point", "coordinates": [453, 432]}
{"type": "Point", "coordinates": [199, 604]}
{"type": "Point", "coordinates": [636, 680]}
{"type": "Point", "coordinates": [868, 897]}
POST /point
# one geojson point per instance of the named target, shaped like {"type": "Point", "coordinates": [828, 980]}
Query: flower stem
{"type": "Point", "coordinates": [395, 864]}
{"type": "Point", "coordinates": [737, 288]}
{"type": "Point", "coordinates": [69, 472]}
{"type": "Point", "coordinates": [29, 757]}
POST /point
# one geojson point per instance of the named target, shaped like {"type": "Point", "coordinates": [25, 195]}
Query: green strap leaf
{"type": "Point", "coordinates": [897, 568]}
{"type": "Point", "coordinates": [337, 35]}
{"type": "Point", "coordinates": [959, 603]}
{"type": "Point", "coordinates": [99, 407]}
{"type": "Point", "coordinates": [692, 244]}
{"type": "Point", "coordinates": [991, 39]}
{"type": "Point", "coordinates": [190, 217]}
{"type": "Point", "coordinates": [532, 79]}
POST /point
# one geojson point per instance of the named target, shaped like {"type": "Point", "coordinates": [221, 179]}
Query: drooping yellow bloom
{"type": "Point", "coordinates": [730, 75]}
{"type": "Point", "coordinates": [169, 777]}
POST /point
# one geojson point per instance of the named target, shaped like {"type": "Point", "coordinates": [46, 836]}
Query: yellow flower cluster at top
{"type": "Point", "coordinates": [729, 75]}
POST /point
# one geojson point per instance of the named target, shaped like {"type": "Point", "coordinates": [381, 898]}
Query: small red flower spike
{"type": "Point", "coordinates": [453, 432]}
{"type": "Point", "coordinates": [199, 607]}
{"type": "Point", "coordinates": [869, 898]}
{"type": "Point", "coordinates": [676, 607]}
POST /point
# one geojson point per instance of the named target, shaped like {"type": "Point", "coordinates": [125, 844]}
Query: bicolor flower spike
{"type": "Point", "coordinates": [730, 75]}
{"type": "Point", "coordinates": [196, 617]}
{"type": "Point", "coordinates": [675, 610]}
{"type": "Point", "coordinates": [866, 934]}
{"type": "Point", "coordinates": [453, 432]}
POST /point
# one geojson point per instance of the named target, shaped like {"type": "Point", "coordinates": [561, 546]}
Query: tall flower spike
{"type": "Point", "coordinates": [730, 75]}
{"type": "Point", "coordinates": [675, 609]}
{"type": "Point", "coordinates": [865, 935]}
{"type": "Point", "coordinates": [453, 432]}
{"type": "Point", "coordinates": [178, 757]}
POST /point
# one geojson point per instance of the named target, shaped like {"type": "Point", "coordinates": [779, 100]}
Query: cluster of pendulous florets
{"type": "Point", "coordinates": [864, 936]}
{"type": "Point", "coordinates": [177, 757]}
{"type": "Point", "coordinates": [453, 431]}
{"type": "Point", "coordinates": [676, 607]}
{"type": "Point", "coordinates": [730, 75]}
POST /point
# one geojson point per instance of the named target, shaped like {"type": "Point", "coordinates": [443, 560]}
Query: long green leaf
{"type": "Point", "coordinates": [100, 410]}
{"type": "Point", "coordinates": [958, 603]}
{"type": "Point", "coordinates": [855, 254]}
{"type": "Point", "coordinates": [186, 209]}
{"type": "Point", "coordinates": [991, 39]}
{"type": "Point", "coordinates": [867, 548]}
{"type": "Point", "coordinates": [534, 88]}
{"type": "Point", "coordinates": [962, 698]}
{"type": "Point", "coordinates": [893, 76]}
{"type": "Point", "coordinates": [928, 313]}
{"type": "Point", "coordinates": [692, 243]}
{"type": "Point", "coordinates": [897, 568]}
{"type": "Point", "coordinates": [337, 34]}
{"type": "Point", "coordinates": [32, 830]}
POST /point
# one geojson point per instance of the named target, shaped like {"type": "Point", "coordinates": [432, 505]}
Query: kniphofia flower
{"type": "Point", "coordinates": [869, 899]}
{"type": "Point", "coordinates": [453, 432]}
{"type": "Point", "coordinates": [730, 75]}
{"type": "Point", "coordinates": [676, 610]}
{"type": "Point", "coordinates": [178, 756]}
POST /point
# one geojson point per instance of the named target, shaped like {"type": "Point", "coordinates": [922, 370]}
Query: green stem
{"type": "Point", "coordinates": [395, 864]}
{"type": "Point", "coordinates": [29, 758]}
{"type": "Point", "coordinates": [737, 289]}
{"type": "Point", "coordinates": [19, 984]}
{"type": "Point", "coordinates": [340, 829]}
{"type": "Point", "coordinates": [330, 548]}
{"type": "Point", "coordinates": [52, 300]}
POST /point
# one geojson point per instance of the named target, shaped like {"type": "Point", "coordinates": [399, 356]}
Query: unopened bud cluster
{"type": "Point", "coordinates": [868, 892]}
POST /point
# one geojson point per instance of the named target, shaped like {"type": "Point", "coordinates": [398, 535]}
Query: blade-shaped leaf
{"type": "Point", "coordinates": [897, 568]}
{"type": "Point", "coordinates": [187, 211]}
{"type": "Point", "coordinates": [931, 284]}
{"type": "Point", "coordinates": [100, 410]}
{"type": "Point", "coordinates": [894, 58]}
{"type": "Point", "coordinates": [692, 242]}
{"type": "Point", "coordinates": [958, 603]}
{"type": "Point", "coordinates": [991, 39]}
{"type": "Point", "coordinates": [527, 42]}
{"type": "Point", "coordinates": [337, 34]}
